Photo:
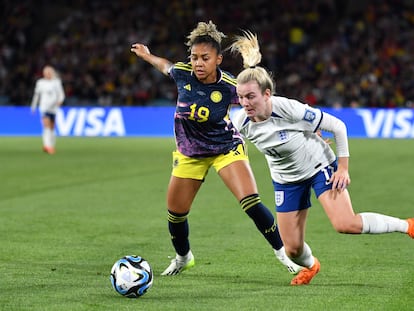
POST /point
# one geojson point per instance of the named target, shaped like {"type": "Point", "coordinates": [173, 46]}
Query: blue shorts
{"type": "Point", "coordinates": [49, 115]}
{"type": "Point", "coordinates": [296, 196]}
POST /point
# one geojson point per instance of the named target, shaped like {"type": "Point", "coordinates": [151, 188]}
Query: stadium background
{"type": "Point", "coordinates": [328, 52]}
{"type": "Point", "coordinates": [65, 219]}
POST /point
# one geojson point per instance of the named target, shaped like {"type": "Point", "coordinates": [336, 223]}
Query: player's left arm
{"type": "Point", "coordinates": [61, 94]}
{"type": "Point", "coordinates": [35, 101]}
{"type": "Point", "coordinates": [35, 98]}
{"type": "Point", "coordinates": [340, 179]}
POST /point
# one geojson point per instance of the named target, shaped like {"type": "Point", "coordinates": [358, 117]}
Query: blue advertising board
{"type": "Point", "coordinates": [158, 121]}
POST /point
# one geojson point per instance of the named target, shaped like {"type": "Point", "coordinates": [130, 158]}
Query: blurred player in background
{"type": "Point", "coordinates": [49, 95]}
{"type": "Point", "coordinates": [299, 159]}
{"type": "Point", "coordinates": [205, 137]}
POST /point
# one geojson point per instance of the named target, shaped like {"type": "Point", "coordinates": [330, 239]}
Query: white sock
{"type": "Point", "coordinates": [184, 258]}
{"type": "Point", "coordinates": [280, 253]}
{"type": "Point", "coordinates": [286, 261]}
{"type": "Point", "coordinates": [44, 137]}
{"type": "Point", "coordinates": [377, 223]}
{"type": "Point", "coordinates": [47, 137]}
{"type": "Point", "coordinates": [52, 138]}
{"type": "Point", "coordinates": [305, 259]}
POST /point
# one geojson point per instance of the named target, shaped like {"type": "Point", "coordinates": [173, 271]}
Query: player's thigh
{"type": "Point", "coordinates": [236, 173]}
{"type": "Point", "coordinates": [239, 178]}
{"type": "Point", "coordinates": [338, 208]}
{"type": "Point", "coordinates": [48, 120]}
{"type": "Point", "coordinates": [181, 193]}
{"type": "Point", "coordinates": [186, 179]}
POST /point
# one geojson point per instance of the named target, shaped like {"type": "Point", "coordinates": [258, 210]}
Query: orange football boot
{"type": "Point", "coordinates": [306, 274]}
{"type": "Point", "coordinates": [410, 231]}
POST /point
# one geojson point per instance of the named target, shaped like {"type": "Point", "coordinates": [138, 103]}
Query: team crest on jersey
{"type": "Point", "coordinates": [187, 87]}
{"type": "Point", "coordinates": [216, 96]}
{"type": "Point", "coordinates": [309, 116]}
{"type": "Point", "coordinates": [283, 135]}
{"type": "Point", "coordinates": [279, 197]}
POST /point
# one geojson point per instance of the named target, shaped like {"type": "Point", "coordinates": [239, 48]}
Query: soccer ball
{"type": "Point", "coordinates": [131, 276]}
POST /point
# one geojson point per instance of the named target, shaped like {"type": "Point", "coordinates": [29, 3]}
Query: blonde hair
{"type": "Point", "coordinates": [247, 46]}
{"type": "Point", "coordinates": [205, 33]}
{"type": "Point", "coordinates": [50, 70]}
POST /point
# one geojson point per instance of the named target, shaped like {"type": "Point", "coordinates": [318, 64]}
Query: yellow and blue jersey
{"type": "Point", "coordinates": [202, 124]}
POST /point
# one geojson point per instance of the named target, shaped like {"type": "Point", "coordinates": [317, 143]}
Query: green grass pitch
{"type": "Point", "coordinates": [65, 219]}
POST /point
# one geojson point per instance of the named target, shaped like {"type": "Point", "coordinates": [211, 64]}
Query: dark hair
{"type": "Point", "coordinates": [208, 40]}
{"type": "Point", "coordinates": [206, 33]}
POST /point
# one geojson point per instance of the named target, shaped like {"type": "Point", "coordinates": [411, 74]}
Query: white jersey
{"type": "Point", "coordinates": [49, 94]}
{"type": "Point", "coordinates": [293, 150]}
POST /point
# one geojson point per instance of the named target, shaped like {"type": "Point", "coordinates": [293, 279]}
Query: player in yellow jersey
{"type": "Point", "coordinates": [205, 137]}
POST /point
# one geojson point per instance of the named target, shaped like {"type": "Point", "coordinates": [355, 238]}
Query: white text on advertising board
{"type": "Point", "coordinates": [388, 123]}
{"type": "Point", "coordinates": [90, 122]}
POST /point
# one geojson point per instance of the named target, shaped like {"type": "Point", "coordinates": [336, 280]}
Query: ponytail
{"type": "Point", "coordinates": [247, 46]}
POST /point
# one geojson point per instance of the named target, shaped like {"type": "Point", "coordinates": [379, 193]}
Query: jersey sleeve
{"type": "Point", "coordinates": [61, 92]}
{"type": "Point", "coordinates": [338, 128]}
{"type": "Point", "coordinates": [37, 87]}
{"type": "Point", "coordinates": [238, 119]}
{"type": "Point", "coordinates": [304, 117]}
{"type": "Point", "coordinates": [176, 68]}
{"type": "Point", "coordinates": [36, 94]}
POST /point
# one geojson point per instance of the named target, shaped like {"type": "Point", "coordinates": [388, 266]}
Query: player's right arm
{"type": "Point", "coordinates": [35, 98]}
{"type": "Point", "coordinates": [143, 52]}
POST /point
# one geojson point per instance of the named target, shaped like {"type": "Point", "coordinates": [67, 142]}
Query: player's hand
{"type": "Point", "coordinates": [340, 180]}
{"type": "Point", "coordinates": [140, 49]}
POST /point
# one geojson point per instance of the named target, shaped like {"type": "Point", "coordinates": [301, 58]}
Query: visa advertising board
{"type": "Point", "coordinates": [158, 121]}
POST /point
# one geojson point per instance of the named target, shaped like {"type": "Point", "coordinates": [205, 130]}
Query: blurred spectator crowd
{"type": "Point", "coordinates": [325, 52]}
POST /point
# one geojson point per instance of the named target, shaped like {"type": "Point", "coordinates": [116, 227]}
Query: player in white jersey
{"type": "Point", "coordinates": [285, 130]}
{"type": "Point", "coordinates": [49, 95]}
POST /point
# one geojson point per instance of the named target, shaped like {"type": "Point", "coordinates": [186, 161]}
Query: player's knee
{"type": "Point", "coordinates": [346, 227]}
